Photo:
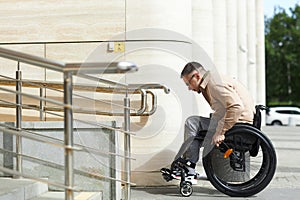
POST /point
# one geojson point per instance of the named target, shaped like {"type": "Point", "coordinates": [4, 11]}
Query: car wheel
{"type": "Point", "coordinates": [277, 123]}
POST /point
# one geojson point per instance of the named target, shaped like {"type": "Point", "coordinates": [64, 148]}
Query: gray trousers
{"type": "Point", "coordinates": [194, 134]}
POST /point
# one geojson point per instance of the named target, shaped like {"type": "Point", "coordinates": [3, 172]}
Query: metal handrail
{"type": "Point", "coordinates": [114, 67]}
{"type": "Point", "coordinates": [143, 89]}
{"type": "Point", "coordinates": [82, 70]}
{"type": "Point", "coordinates": [30, 136]}
{"type": "Point", "coordinates": [31, 59]}
{"type": "Point", "coordinates": [14, 172]}
{"type": "Point", "coordinates": [58, 166]}
{"type": "Point", "coordinates": [150, 86]}
{"type": "Point", "coordinates": [54, 141]}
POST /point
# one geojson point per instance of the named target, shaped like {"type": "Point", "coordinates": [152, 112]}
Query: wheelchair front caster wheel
{"type": "Point", "coordinates": [186, 189]}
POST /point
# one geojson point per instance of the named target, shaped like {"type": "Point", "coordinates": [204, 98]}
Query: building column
{"type": "Point", "coordinates": [232, 64]}
{"type": "Point", "coordinates": [202, 25]}
{"type": "Point", "coordinates": [219, 33]}
{"type": "Point", "coordinates": [251, 43]}
{"type": "Point", "coordinates": [242, 41]}
{"type": "Point", "coordinates": [260, 54]}
{"type": "Point", "coordinates": [158, 40]}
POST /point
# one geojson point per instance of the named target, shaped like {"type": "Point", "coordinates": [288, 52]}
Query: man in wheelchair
{"type": "Point", "coordinates": [231, 103]}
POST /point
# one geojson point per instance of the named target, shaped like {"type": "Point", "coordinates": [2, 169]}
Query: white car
{"type": "Point", "coordinates": [283, 116]}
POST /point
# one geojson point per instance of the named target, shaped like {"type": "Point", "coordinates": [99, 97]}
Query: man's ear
{"type": "Point", "coordinates": [198, 75]}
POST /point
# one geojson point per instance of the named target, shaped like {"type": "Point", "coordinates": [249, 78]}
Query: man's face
{"type": "Point", "coordinates": [192, 81]}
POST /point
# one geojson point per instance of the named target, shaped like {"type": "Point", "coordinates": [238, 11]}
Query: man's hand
{"type": "Point", "coordinates": [217, 139]}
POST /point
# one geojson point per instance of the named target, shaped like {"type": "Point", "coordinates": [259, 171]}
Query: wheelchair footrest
{"type": "Point", "coordinates": [167, 174]}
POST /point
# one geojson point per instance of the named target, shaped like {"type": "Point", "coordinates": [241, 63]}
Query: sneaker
{"type": "Point", "coordinates": [192, 172]}
{"type": "Point", "coordinates": [191, 179]}
{"type": "Point", "coordinates": [176, 171]}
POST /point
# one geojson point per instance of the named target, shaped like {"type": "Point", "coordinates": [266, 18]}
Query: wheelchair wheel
{"type": "Point", "coordinates": [186, 189]}
{"type": "Point", "coordinates": [249, 169]}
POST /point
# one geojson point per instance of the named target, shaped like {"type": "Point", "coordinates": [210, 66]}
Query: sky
{"type": "Point", "coordinates": [286, 4]}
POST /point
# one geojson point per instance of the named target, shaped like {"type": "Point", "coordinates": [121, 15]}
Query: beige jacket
{"type": "Point", "coordinates": [229, 99]}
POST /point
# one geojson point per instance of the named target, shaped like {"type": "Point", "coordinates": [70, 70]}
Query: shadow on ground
{"type": "Point", "coordinates": [173, 191]}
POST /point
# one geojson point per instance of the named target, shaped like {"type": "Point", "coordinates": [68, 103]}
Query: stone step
{"type": "Point", "coordinates": [20, 189]}
{"type": "Point", "coordinates": [77, 196]}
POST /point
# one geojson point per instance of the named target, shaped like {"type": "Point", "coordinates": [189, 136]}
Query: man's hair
{"type": "Point", "coordinates": [190, 67]}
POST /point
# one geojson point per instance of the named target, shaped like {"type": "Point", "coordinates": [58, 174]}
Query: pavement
{"type": "Point", "coordinates": [285, 183]}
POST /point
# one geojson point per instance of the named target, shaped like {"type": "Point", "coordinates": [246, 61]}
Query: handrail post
{"type": "Point", "coordinates": [127, 147]}
{"type": "Point", "coordinates": [19, 119]}
{"type": "Point", "coordinates": [42, 118]}
{"type": "Point", "coordinates": [68, 136]}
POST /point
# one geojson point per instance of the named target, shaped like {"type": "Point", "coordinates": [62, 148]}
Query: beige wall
{"type": "Point", "coordinates": [60, 21]}
{"type": "Point", "coordinates": [62, 30]}
{"type": "Point", "coordinates": [67, 31]}
{"type": "Point", "coordinates": [160, 37]}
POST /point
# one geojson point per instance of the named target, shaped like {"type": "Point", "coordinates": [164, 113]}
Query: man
{"type": "Point", "coordinates": [230, 102]}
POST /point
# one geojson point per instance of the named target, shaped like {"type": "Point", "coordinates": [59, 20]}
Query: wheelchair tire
{"type": "Point", "coordinates": [258, 170]}
{"type": "Point", "coordinates": [186, 189]}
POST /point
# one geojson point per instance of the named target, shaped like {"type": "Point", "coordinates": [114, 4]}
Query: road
{"type": "Point", "coordinates": [285, 184]}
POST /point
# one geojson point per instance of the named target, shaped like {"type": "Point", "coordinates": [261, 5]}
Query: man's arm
{"type": "Point", "coordinates": [228, 108]}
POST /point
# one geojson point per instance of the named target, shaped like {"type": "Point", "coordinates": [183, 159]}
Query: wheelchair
{"type": "Point", "coordinates": [243, 165]}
